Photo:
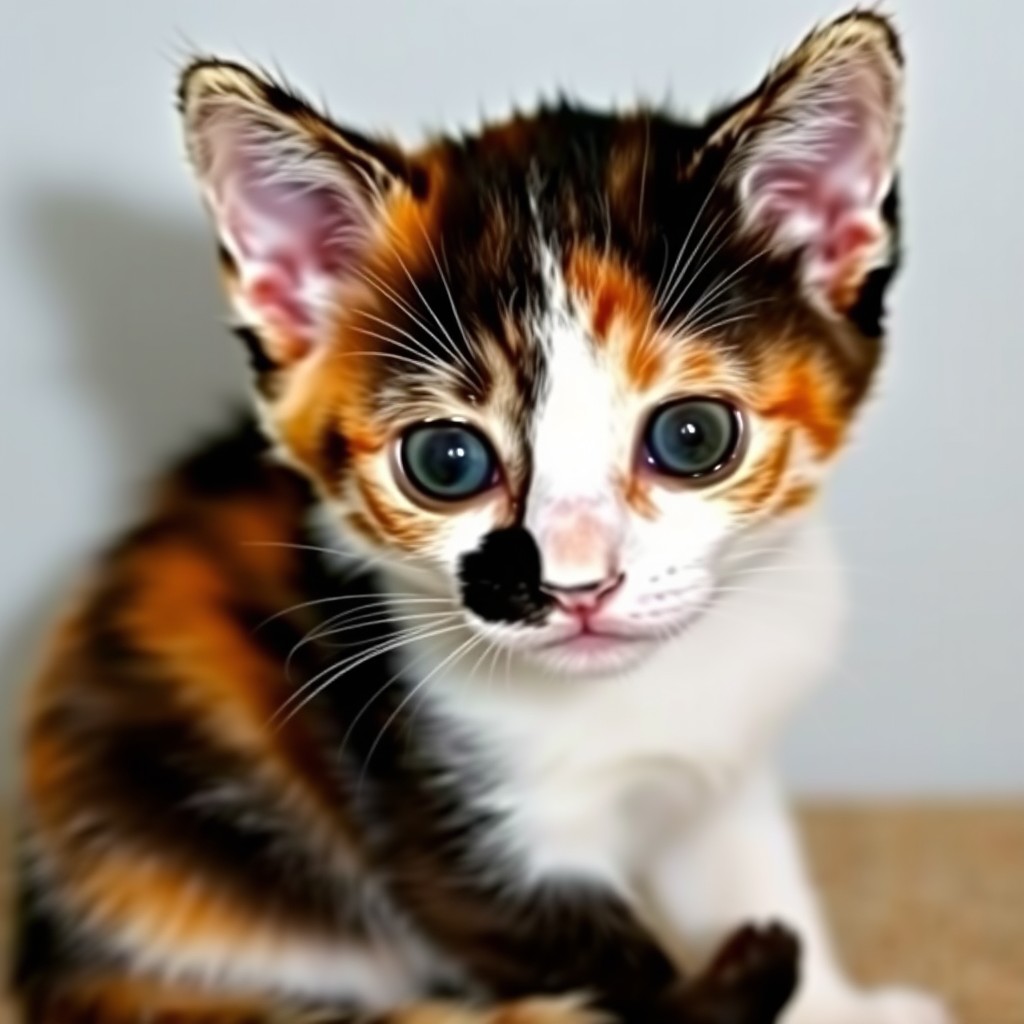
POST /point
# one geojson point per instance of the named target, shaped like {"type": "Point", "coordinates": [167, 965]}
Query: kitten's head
{"type": "Point", "coordinates": [560, 365]}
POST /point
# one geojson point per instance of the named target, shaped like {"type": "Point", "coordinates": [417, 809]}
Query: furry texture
{"type": "Point", "coordinates": [459, 677]}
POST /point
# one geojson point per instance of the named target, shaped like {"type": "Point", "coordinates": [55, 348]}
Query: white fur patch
{"type": "Point", "coordinates": [591, 769]}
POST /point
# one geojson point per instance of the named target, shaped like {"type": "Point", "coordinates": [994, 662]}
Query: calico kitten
{"type": "Point", "coordinates": [448, 694]}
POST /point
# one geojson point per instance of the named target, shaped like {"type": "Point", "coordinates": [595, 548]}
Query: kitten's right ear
{"type": "Point", "coordinates": [815, 151]}
{"type": "Point", "coordinates": [296, 201]}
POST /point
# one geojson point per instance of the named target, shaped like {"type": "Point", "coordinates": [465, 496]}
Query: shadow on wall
{"type": "Point", "coordinates": [144, 342]}
{"type": "Point", "coordinates": [20, 651]}
{"type": "Point", "coordinates": [145, 319]}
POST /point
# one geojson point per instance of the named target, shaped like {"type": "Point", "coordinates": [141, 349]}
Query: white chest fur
{"type": "Point", "coordinates": [592, 773]}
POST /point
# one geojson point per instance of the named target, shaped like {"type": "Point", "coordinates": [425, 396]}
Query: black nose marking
{"type": "Point", "coordinates": [501, 579]}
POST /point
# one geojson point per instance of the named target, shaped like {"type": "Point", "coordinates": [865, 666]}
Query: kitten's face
{"type": "Point", "coordinates": [555, 369]}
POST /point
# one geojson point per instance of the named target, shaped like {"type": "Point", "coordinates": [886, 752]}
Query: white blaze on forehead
{"type": "Point", "coordinates": [575, 447]}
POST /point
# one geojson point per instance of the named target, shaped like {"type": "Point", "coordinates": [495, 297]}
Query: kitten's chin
{"type": "Point", "coordinates": [592, 654]}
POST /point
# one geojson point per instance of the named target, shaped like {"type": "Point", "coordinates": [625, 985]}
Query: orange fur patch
{"type": "Point", "coordinates": [797, 497]}
{"type": "Point", "coordinates": [407, 529]}
{"type": "Point", "coordinates": [169, 909]}
{"type": "Point", "coordinates": [804, 395]}
{"type": "Point", "coordinates": [699, 362]}
{"type": "Point", "coordinates": [620, 304]}
{"type": "Point", "coordinates": [752, 491]}
{"type": "Point", "coordinates": [175, 619]}
{"type": "Point", "coordinates": [637, 493]}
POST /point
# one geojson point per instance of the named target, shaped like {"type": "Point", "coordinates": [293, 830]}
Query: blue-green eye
{"type": "Point", "coordinates": [447, 461]}
{"type": "Point", "coordinates": [693, 438]}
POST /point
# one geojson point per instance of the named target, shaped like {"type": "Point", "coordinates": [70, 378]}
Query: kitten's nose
{"type": "Point", "coordinates": [579, 548]}
{"type": "Point", "coordinates": [583, 599]}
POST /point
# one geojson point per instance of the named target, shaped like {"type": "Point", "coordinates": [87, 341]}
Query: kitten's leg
{"type": "Point", "coordinates": [745, 863]}
{"type": "Point", "coordinates": [748, 982]}
{"type": "Point", "coordinates": [127, 1001]}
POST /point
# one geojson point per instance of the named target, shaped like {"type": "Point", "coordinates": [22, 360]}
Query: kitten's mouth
{"type": "Point", "coordinates": [589, 637]}
{"type": "Point", "coordinates": [592, 651]}
{"type": "Point", "coordinates": [593, 648]}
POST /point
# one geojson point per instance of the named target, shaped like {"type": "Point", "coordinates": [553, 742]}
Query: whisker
{"type": "Point", "coordinates": [695, 276]}
{"type": "Point", "coordinates": [707, 329]}
{"type": "Point", "coordinates": [508, 668]}
{"type": "Point", "coordinates": [385, 289]}
{"type": "Point", "coordinates": [363, 561]}
{"type": "Point", "coordinates": [430, 359]}
{"type": "Point", "coordinates": [373, 607]}
{"type": "Point", "coordinates": [377, 609]}
{"type": "Point", "coordinates": [403, 598]}
{"type": "Point", "coordinates": [374, 618]}
{"type": "Point", "coordinates": [365, 622]}
{"type": "Point", "coordinates": [408, 562]}
{"type": "Point", "coordinates": [660, 297]}
{"type": "Point", "coordinates": [301, 698]}
{"type": "Point", "coordinates": [294, 547]}
{"type": "Point", "coordinates": [712, 233]}
{"type": "Point", "coordinates": [494, 664]}
{"type": "Point", "coordinates": [465, 646]}
{"type": "Point", "coordinates": [488, 648]}
{"type": "Point", "coordinates": [376, 696]}
{"type": "Point", "coordinates": [417, 348]}
{"type": "Point", "coordinates": [643, 173]}
{"type": "Point", "coordinates": [689, 234]}
{"type": "Point", "coordinates": [691, 323]}
{"type": "Point", "coordinates": [452, 347]}
{"type": "Point", "coordinates": [470, 645]}
{"type": "Point", "coordinates": [339, 553]}
{"type": "Point", "coordinates": [717, 290]}
{"type": "Point", "coordinates": [392, 356]}
{"type": "Point", "coordinates": [451, 300]}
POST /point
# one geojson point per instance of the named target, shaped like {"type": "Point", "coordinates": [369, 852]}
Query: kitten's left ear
{"type": "Point", "coordinates": [814, 154]}
{"type": "Point", "coordinates": [296, 200]}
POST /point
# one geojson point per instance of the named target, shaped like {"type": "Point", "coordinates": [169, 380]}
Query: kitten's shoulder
{"type": "Point", "coordinates": [168, 615]}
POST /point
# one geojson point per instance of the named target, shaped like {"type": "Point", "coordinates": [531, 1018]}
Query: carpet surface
{"type": "Point", "coordinates": [929, 895]}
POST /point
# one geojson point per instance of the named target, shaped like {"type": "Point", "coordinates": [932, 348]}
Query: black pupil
{"type": "Point", "coordinates": [692, 438]}
{"type": "Point", "coordinates": [447, 462]}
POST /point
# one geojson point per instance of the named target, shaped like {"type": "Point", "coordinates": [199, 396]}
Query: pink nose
{"type": "Point", "coordinates": [583, 600]}
{"type": "Point", "coordinates": [579, 551]}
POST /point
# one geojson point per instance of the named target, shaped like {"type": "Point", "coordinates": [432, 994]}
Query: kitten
{"type": "Point", "coordinates": [449, 694]}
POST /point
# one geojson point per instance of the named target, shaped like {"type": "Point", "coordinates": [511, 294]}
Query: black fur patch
{"type": "Point", "coordinates": [501, 579]}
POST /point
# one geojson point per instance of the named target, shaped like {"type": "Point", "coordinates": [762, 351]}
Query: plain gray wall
{"type": "Point", "coordinates": [112, 353]}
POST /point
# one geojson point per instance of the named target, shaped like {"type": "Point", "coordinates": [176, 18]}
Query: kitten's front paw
{"type": "Point", "coordinates": [878, 1006]}
{"type": "Point", "coordinates": [749, 981]}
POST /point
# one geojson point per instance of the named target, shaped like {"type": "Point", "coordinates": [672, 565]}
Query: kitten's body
{"type": "Point", "coordinates": [571, 386]}
{"type": "Point", "coordinates": [353, 854]}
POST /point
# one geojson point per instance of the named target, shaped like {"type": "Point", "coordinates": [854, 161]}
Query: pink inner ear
{"type": "Point", "coordinates": [292, 226]}
{"type": "Point", "coordinates": [816, 185]}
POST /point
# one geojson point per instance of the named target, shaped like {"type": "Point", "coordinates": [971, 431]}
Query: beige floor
{"type": "Point", "coordinates": [929, 895]}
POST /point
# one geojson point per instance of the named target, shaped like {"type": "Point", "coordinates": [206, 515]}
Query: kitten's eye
{"type": "Point", "coordinates": [447, 461]}
{"type": "Point", "coordinates": [693, 438]}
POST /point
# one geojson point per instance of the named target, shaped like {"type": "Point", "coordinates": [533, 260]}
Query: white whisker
{"type": "Point", "coordinates": [311, 689]}
{"type": "Point", "coordinates": [365, 622]}
{"type": "Point", "coordinates": [389, 293]}
{"type": "Point", "coordinates": [430, 360]}
{"type": "Point", "coordinates": [378, 693]}
{"type": "Point", "coordinates": [451, 346]}
{"type": "Point", "coordinates": [464, 647]}
{"type": "Point", "coordinates": [717, 289]}
{"type": "Point", "coordinates": [658, 298]}
{"type": "Point", "coordinates": [404, 598]}
{"type": "Point", "coordinates": [451, 300]}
